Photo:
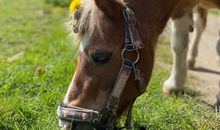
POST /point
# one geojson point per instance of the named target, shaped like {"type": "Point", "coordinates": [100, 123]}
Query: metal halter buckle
{"type": "Point", "coordinates": [135, 60]}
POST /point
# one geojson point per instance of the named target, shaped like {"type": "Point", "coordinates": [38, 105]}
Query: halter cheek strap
{"type": "Point", "coordinates": [106, 118]}
{"type": "Point", "coordinates": [132, 45]}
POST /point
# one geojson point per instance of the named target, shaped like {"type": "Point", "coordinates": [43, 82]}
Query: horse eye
{"type": "Point", "coordinates": [101, 58]}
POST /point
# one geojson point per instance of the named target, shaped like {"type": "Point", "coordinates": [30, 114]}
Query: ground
{"type": "Point", "coordinates": [37, 62]}
{"type": "Point", "coordinates": [207, 69]}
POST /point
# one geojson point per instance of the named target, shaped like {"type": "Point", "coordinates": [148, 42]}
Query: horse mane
{"type": "Point", "coordinates": [88, 20]}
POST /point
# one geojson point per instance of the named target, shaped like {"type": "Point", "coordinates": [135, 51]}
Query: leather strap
{"type": "Point", "coordinates": [132, 39]}
{"type": "Point", "coordinates": [68, 113]}
{"type": "Point", "coordinates": [120, 84]}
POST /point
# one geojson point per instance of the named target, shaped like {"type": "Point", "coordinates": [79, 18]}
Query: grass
{"type": "Point", "coordinates": [61, 3]}
{"type": "Point", "coordinates": [214, 11]}
{"type": "Point", "coordinates": [33, 84]}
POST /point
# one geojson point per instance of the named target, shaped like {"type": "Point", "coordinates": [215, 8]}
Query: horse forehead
{"type": "Point", "coordinates": [94, 42]}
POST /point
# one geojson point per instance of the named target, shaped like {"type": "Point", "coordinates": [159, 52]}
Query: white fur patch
{"type": "Point", "coordinates": [179, 41]}
{"type": "Point", "coordinates": [181, 25]}
{"type": "Point", "coordinates": [198, 21]}
{"type": "Point", "coordinates": [66, 99]}
{"type": "Point", "coordinates": [84, 43]}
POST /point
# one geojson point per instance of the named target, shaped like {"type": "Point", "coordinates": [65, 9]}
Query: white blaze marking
{"type": "Point", "coordinates": [84, 42]}
{"type": "Point", "coordinates": [66, 99]}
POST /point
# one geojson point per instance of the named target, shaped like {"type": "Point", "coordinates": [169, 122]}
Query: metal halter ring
{"type": "Point", "coordinates": [137, 53]}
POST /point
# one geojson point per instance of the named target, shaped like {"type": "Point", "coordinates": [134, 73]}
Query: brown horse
{"type": "Point", "coordinates": [182, 56]}
{"type": "Point", "coordinates": [199, 24]}
{"type": "Point", "coordinates": [106, 83]}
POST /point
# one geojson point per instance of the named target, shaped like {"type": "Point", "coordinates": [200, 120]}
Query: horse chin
{"type": "Point", "coordinates": [78, 126]}
{"type": "Point", "coordinates": [64, 125]}
{"type": "Point", "coordinates": [83, 126]}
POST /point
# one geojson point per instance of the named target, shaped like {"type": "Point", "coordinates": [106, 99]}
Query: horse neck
{"type": "Point", "coordinates": [152, 16]}
{"type": "Point", "coordinates": [210, 3]}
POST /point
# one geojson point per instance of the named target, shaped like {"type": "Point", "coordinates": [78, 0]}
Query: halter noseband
{"type": "Point", "coordinates": [106, 118]}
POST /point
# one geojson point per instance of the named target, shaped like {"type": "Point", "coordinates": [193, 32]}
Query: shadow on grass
{"type": "Point", "coordinates": [186, 93]}
{"type": "Point", "coordinates": [189, 93]}
{"type": "Point", "coordinates": [138, 126]}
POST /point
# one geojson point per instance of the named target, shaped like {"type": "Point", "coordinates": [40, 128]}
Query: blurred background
{"type": "Point", "coordinates": [37, 61]}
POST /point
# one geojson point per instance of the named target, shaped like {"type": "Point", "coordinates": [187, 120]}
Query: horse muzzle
{"type": "Point", "coordinates": [77, 118]}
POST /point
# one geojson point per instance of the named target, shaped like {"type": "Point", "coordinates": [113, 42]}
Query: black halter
{"type": "Point", "coordinates": [106, 118]}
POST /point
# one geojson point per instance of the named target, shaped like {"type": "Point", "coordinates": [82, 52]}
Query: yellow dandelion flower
{"type": "Point", "coordinates": [74, 5]}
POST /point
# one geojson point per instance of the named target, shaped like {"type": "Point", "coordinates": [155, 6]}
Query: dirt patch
{"type": "Point", "coordinates": [207, 68]}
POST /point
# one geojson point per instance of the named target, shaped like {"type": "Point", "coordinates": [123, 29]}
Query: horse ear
{"type": "Point", "coordinates": [110, 8]}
